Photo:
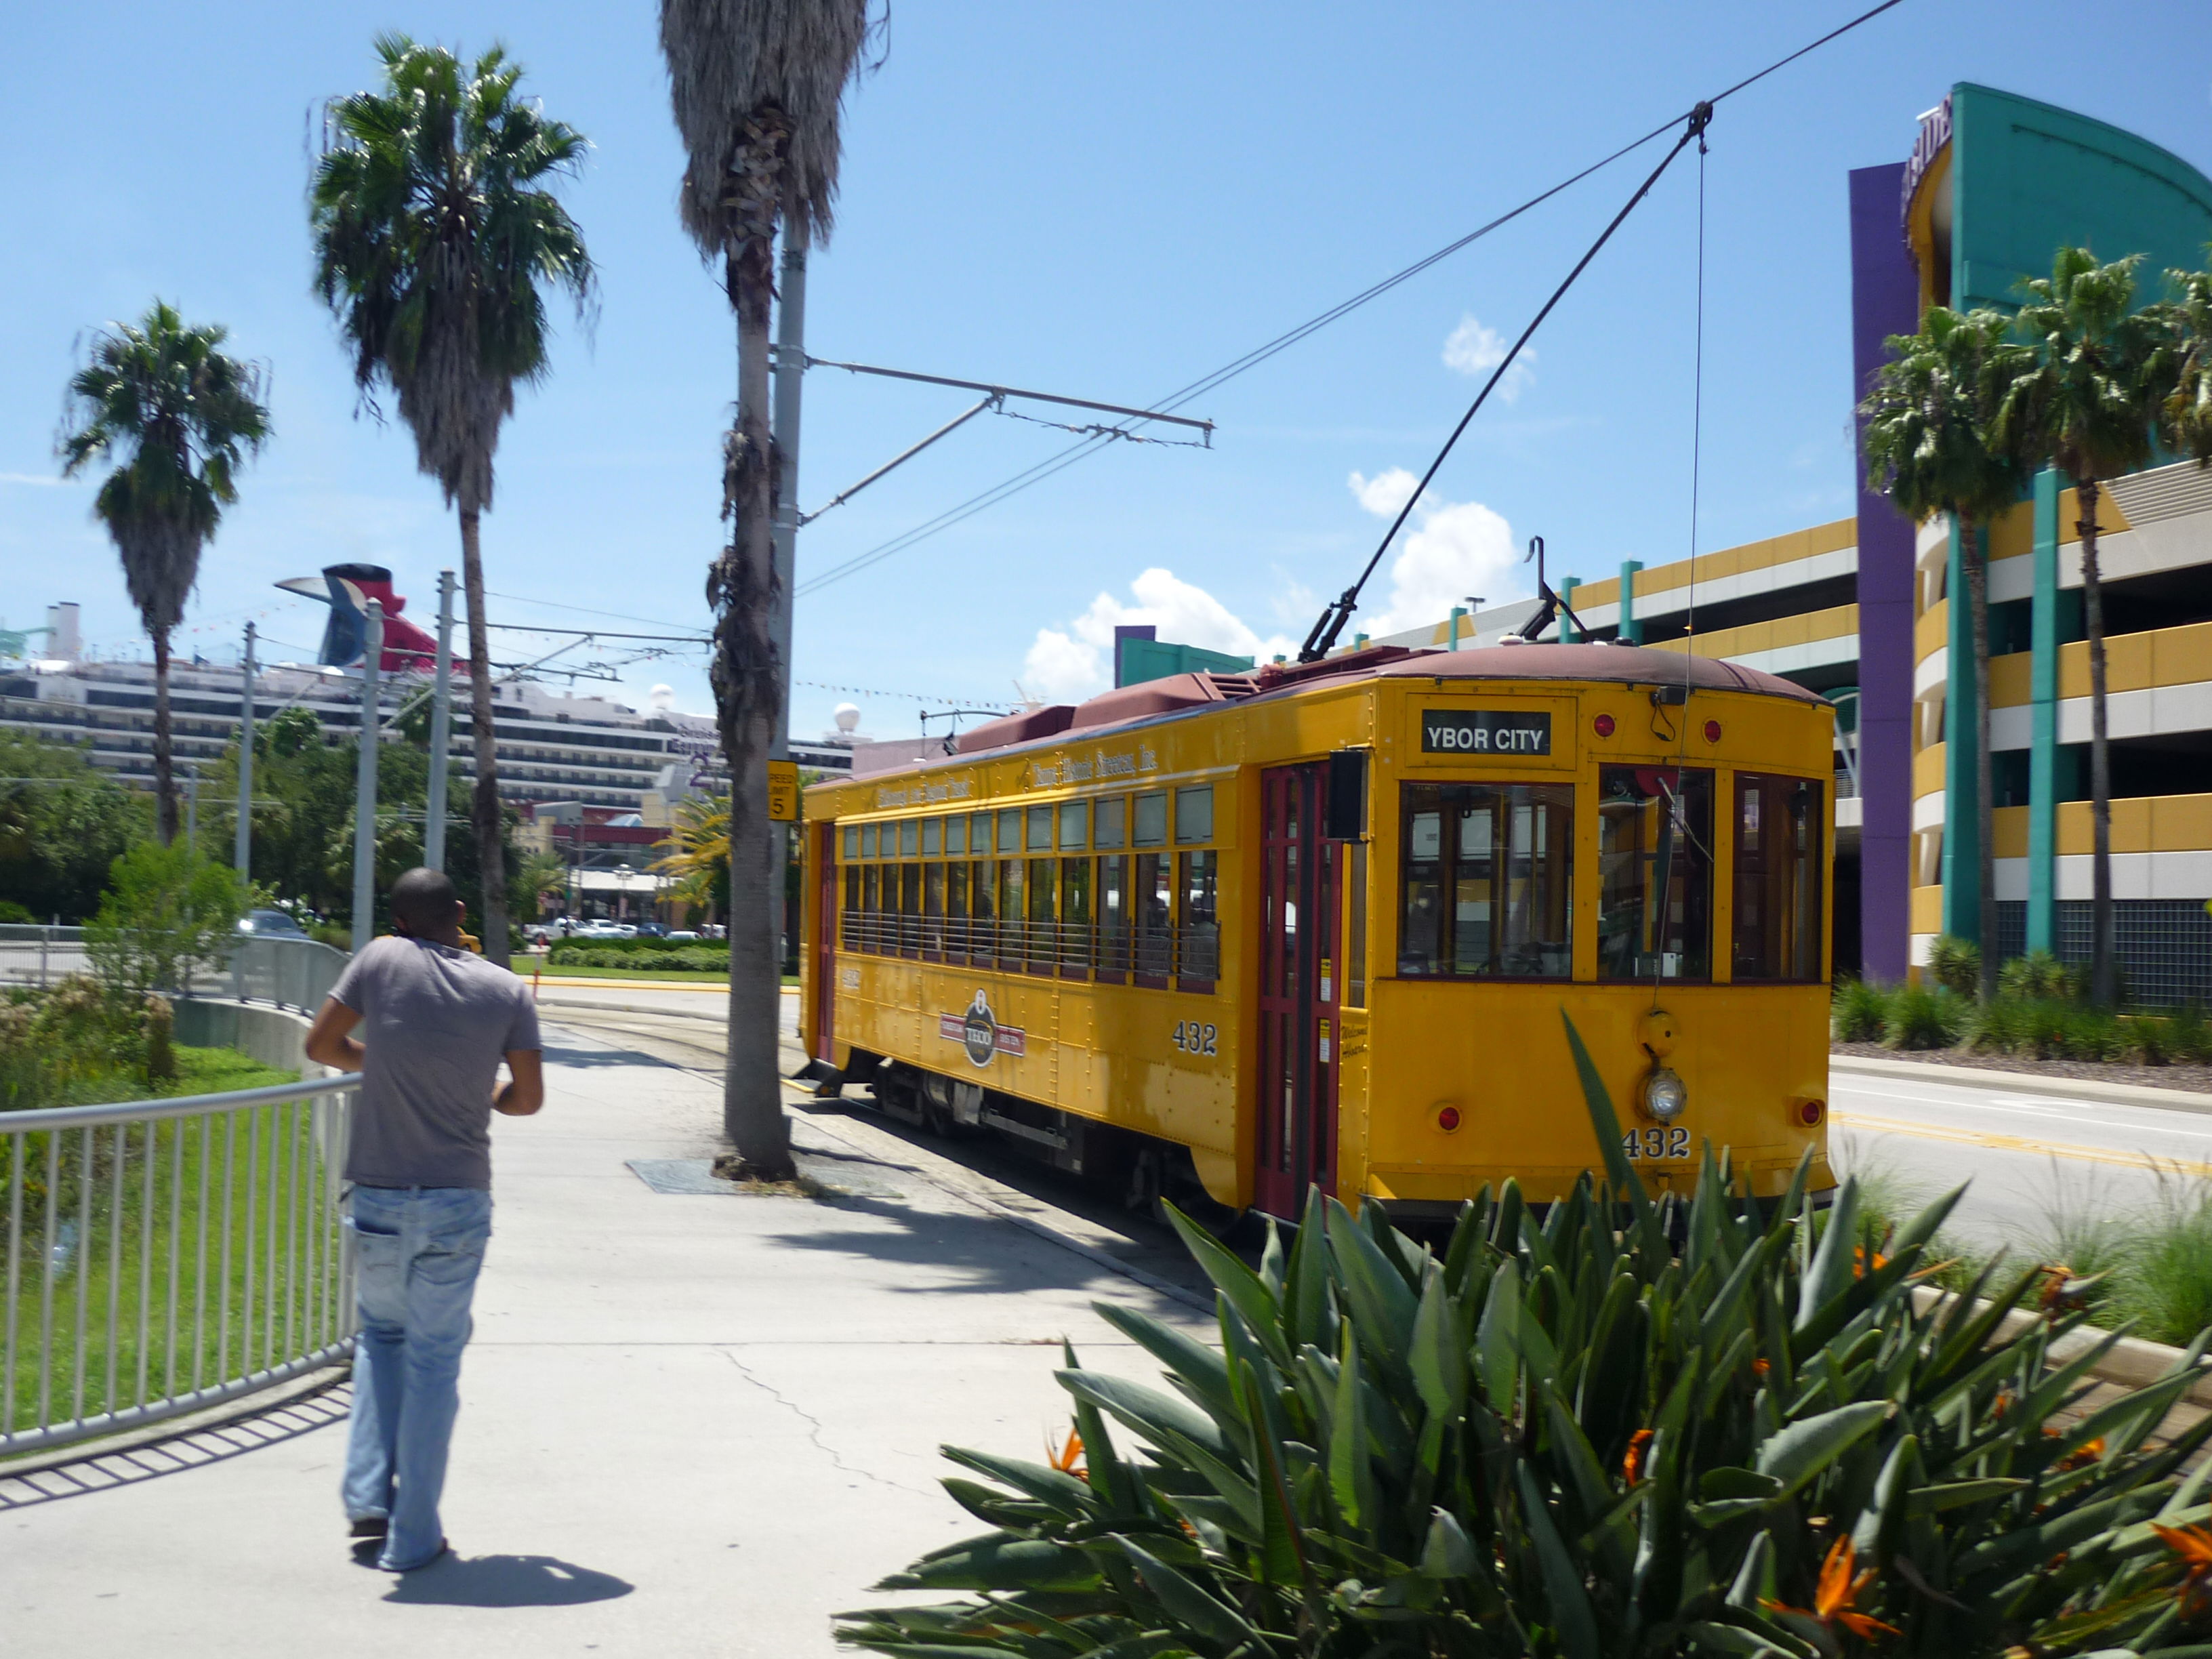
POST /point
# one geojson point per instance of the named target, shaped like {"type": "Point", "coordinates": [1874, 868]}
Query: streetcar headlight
{"type": "Point", "coordinates": [1664, 1094]}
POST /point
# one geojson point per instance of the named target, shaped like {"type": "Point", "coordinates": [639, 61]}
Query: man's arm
{"type": "Point", "coordinates": [525, 1091]}
{"type": "Point", "coordinates": [330, 1041]}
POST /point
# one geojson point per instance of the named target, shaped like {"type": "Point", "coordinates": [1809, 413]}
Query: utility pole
{"type": "Point", "coordinates": [364, 799]}
{"type": "Point", "coordinates": [441, 724]}
{"type": "Point", "coordinates": [783, 432]}
{"type": "Point", "coordinates": [242, 854]}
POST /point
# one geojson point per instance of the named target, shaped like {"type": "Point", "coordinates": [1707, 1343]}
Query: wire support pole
{"type": "Point", "coordinates": [1330, 621]}
{"type": "Point", "coordinates": [241, 856]}
{"type": "Point", "coordinates": [364, 805]}
{"type": "Point", "coordinates": [992, 401]}
{"type": "Point", "coordinates": [441, 728]}
{"type": "Point", "coordinates": [1205, 427]}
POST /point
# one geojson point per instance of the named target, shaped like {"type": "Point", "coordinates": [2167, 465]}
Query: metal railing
{"type": "Point", "coordinates": [162, 1257]}
{"type": "Point", "coordinates": [1154, 950]}
{"type": "Point", "coordinates": [292, 973]}
{"type": "Point", "coordinates": [31, 953]}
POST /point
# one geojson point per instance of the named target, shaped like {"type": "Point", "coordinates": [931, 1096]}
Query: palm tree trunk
{"type": "Point", "coordinates": [2101, 979]}
{"type": "Point", "coordinates": [747, 687]}
{"type": "Point", "coordinates": [484, 805]}
{"type": "Point", "coordinates": [165, 778]}
{"type": "Point", "coordinates": [1978, 593]}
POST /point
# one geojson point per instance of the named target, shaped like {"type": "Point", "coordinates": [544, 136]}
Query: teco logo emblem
{"type": "Point", "coordinates": [1484, 732]}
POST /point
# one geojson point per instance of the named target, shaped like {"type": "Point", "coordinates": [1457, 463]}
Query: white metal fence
{"type": "Point", "coordinates": [292, 973]}
{"type": "Point", "coordinates": [163, 1257]}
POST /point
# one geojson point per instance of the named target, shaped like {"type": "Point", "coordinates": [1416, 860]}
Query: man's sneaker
{"type": "Point", "coordinates": [375, 1526]}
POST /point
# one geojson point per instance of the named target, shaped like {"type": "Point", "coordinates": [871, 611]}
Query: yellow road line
{"type": "Point", "coordinates": [2017, 1144]}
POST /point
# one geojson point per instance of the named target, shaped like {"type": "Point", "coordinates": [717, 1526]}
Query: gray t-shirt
{"type": "Point", "coordinates": [435, 1021]}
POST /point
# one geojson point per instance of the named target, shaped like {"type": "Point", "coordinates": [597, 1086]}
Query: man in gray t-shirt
{"type": "Point", "coordinates": [434, 1023]}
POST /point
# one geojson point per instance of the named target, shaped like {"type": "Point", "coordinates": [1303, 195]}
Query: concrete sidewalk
{"type": "Point", "coordinates": [690, 1424]}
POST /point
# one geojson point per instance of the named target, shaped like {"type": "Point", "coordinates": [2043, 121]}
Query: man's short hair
{"type": "Point", "coordinates": [423, 901]}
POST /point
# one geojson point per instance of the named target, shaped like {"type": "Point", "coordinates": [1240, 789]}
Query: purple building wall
{"type": "Point", "coordinates": [1885, 301]}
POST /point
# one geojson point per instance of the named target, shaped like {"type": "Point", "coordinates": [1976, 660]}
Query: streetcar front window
{"type": "Point", "coordinates": [1778, 874]}
{"type": "Point", "coordinates": [1655, 835]}
{"type": "Point", "coordinates": [1487, 869]}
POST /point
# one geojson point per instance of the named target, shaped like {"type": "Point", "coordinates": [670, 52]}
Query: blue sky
{"type": "Point", "coordinates": [1108, 202]}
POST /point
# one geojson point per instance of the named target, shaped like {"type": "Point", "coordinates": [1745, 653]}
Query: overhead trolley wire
{"type": "Point", "coordinates": [1039, 471]}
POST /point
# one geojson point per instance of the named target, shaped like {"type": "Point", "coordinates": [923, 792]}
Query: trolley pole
{"type": "Point", "coordinates": [441, 724]}
{"type": "Point", "coordinates": [242, 854]}
{"type": "Point", "coordinates": [364, 799]}
{"type": "Point", "coordinates": [783, 434]}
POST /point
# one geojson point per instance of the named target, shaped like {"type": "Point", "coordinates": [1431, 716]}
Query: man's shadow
{"type": "Point", "coordinates": [506, 1581]}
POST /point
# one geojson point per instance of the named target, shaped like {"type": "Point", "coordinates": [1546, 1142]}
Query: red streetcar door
{"type": "Point", "coordinates": [825, 938]}
{"type": "Point", "coordinates": [1300, 985]}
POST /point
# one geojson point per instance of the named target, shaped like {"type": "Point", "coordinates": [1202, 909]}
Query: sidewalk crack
{"type": "Point", "coordinates": [814, 1430]}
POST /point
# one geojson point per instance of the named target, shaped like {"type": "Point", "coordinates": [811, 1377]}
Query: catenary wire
{"type": "Point", "coordinates": [1038, 472]}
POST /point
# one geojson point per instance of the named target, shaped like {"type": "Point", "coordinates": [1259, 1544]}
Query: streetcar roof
{"type": "Point", "coordinates": [1187, 694]}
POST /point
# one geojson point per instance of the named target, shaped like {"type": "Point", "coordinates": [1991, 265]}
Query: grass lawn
{"type": "Point", "coordinates": [673, 976]}
{"type": "Point", "coordinates": [213, 1234]}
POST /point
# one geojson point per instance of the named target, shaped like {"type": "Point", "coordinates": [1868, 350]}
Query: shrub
{"type": "Point", "coordinates": [2147, 1039]}
{"type": "Point", "coordinates": [1920, 1018]}
{"type": "Point", "coordinates": [2188, 1034]}
{"type": "Point", "coordinates": [12, 912]}
{"type": "Point", "coordinates": [2003, 1025]}
{"type": "Point", "coordinates": [167, 914]}
{"type": "Point", "coordinates": [610, 953]}
{"type": "Point", "coordinates": [1577, 1438]}
{"type": "Point", "coordinates": [2166, 1284]}
{"type": "Point", "coordinates": [1956, 965]}
{"type": "Point", "coordinates": [2038, 973]}
{"type": "Point", "coordinates": [2094, 1034]}
{"type": "Point", "coordinates": [1860, 1009]}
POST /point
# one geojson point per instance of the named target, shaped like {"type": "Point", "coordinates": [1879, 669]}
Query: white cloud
{"type": "Point", "coordinates": [1454, 548]}
{"type": "Point", "coordinates": [1473, 348]}
{"type": "Point", "coordinates": [1064, 665]}
{"type": "Point", "coordinates": [38, 480]}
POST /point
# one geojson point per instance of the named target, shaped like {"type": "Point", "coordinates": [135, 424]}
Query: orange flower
{"type": "Point", "coordinates": [1860, 1259]}
{"type": "Point", "coordinates": [2194, 1545]}
{"type": "Point", "coordinates": [1760, 1367]}
{"type": "Point", "coordinates": [1834, 1597]}
{"type": "Point", "coordinates": [1068, 1459]}
{"type": "Point", "coordinates": [1633, 1464]}
{"type": "Point", "coordinates": [2087, 1452]}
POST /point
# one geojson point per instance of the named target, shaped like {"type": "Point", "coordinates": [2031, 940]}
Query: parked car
{"type": "Point", "coordinates": [682, 936]}
{"type": "Point", "coordinates": [600, 927]}
{"type": "Point", "coordinates": [271, 924]}
{"type": "Point", "coordinates": [651, 930]}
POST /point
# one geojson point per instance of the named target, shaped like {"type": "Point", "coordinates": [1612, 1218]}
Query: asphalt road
{"type": "Point", "coordinates": [2026, 1158]}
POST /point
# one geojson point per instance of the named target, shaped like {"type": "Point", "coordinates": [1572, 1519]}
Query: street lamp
{"type": "Point", "coordinates": [624, 876]}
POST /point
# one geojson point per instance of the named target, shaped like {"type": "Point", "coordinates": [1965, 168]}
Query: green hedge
{"type": "Point", "coordinates": [622, 953]}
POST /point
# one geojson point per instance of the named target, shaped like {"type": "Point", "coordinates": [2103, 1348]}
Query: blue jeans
{"type": "Point", "coordinates": [416, 1251]}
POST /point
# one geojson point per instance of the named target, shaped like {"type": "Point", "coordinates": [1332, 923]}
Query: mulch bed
{"type": "Point", "coordinates": [2192, 1079]}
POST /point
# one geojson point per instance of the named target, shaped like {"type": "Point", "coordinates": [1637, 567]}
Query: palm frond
{"type": "Point", "coordinates": [730, 60]}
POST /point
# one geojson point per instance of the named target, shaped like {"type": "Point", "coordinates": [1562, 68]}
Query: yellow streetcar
{"type": "Point", "coordinates": [1227, 936]}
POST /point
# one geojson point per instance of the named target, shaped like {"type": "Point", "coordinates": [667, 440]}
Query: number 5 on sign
{"type": "Point", "coordinates": [783, 792]}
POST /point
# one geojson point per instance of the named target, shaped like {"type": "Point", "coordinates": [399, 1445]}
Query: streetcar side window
{"type": "Point", "coordinates": [1113, 910]}
{"type": "Point", "coordinates": [1013, 907]}
{"type": "Point", "coordinates": [1074, 912]}
{"type": "Point", "coordinates": [1778, 874]}
{"type": "Point", "coordinates": [868, 832]}
{"type": "Point", "coordinates": [1074, 825]}
{"type": "Point", "coordinates": [1043, 954]}
{"type": "Point", "coordinates": [932, 834]}
{"type": "Point", "coordinates": [1193, 815]}
{"type": "Point", "coordinates": [1111, 826]}
{"type": "Point", "coordinates": [978, 834]}
{"type": "Point", "coordinates": [1152, 899]}
{"type": "Point", "coordinates": [1198, 943]}
{"type": "Point", "coordinates": [852, 841]}
{"type": "Point", "coordinates": [982, 909]}
{"type": "Point", "coordinates": [1487, 880]}
{"type": "Point", "coordinates": [850, 924]}
{"type": "Point", "coordinates": [957, 932]}
{"type": "Point", "coordinates": [933, 910]}
{"type": "Point", "coordinates": [909, 837]}
{"type": "Point", "coordinates": [1010, 830]}
{"type": "Point", "coordinates": [1654, 837]}
{"type": "Point", "coordinates": [1150, 828]}
{"type": "Point", "coordinates": [871, 931]}
{"type": "Point", "coordinates": [956, 837]}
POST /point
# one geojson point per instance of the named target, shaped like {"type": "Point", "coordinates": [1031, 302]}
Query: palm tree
{"type": "Point", "coordinates": [757, 86]}
{"type": "Point", "coordinates": [2185, 415]}
{"type": "Point", "coordinates": [1930, 442]}
{"type": "Point", "coordinates": [434, 239]}
{"type": "Point", "coordinates": [2084, 406]}
{"type": "Point", "coordinates": [184, 415]}
{"type": "Point", "coordinates": [698, 854]}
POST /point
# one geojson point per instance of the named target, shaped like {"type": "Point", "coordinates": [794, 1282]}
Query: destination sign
{"type": "Point", "coordinates": [1485, 731]}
